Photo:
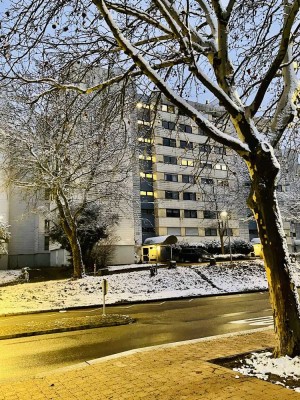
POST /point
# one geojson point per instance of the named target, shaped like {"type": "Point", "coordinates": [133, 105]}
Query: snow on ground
{"type": "Point", "coordinates": [284, 371]}
{"type": "Point", "coordinates": [9, 276]}
{"type": "Point", "coordinates": [132, 286]}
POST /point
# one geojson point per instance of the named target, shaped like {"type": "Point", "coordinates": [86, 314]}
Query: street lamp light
{"type": "Point", "coordinates": [225, 217]}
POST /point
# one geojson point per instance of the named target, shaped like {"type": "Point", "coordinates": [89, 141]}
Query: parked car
{"type": "Point", "coordinates": [191, 254]}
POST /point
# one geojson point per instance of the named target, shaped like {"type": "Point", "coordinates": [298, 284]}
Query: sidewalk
{"type": "Point", "coordinates": [170, 372]}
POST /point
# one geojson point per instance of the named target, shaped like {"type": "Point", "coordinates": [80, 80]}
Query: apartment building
{"type": "Point", "coordinates": [185, 178]}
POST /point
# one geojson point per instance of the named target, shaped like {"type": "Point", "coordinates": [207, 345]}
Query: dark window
{"type": "Point", "coordinates": [184, 144]}
{"type": "Point", "coordinates": [210, 232]}
{"type": "Point", "coordinates": [168, 125]}
{"type": "Point", "coordinates": [205, 148]}
{"type": "Point", "coordinates": [169, 142]}
{"type": "Point", "coordinates": [180, 112]}
{"type": "Point", "coordinates": [171, 195]}
{"type": "Point", "coordinates": [173, 213]}
{"type": "Point", "coordinates": [47, 194]}
{"type": "Point", "coordinates": [148, 230]}
{"type": "Point", "coordinates": [170, 160]}
{"type": "Point", "coordinates": [190, 214]}
{"type": "Point", "coordinates": [207, 181]}
{"type": "Point", "coordinates": [228, 232]}
{"type": "Point", "coordinates": [201, 132]}
{"type": "Point", "coordinates": [144, 130]}
{"type": "Point", "coordinates": [46, 243]}
{"type": "Point", "coordinates": [220, 150]}
{"type": "Point", "coordinates": [222, 182]}
{"type": "Point", "coordinates": [206, 165]}
{"type": "Point", "coordinates": [147, 211]}
{"type": "Point", "coordinates": [189, 196]}
{"type": "Point", "coordinates": [209, 214]}
{"type": "Point", "coordinates": [47, 225]}
{"type": "Point", "coordinates": [171, 177]}
{"type": "Point", "coordinates": [247, 184]}
{"type": "Point", "coordinates": [279, 188]}
{"type": "Point", "coordinates": [185, 128]}
{"type": "Point", "coordinates": [188, 179]}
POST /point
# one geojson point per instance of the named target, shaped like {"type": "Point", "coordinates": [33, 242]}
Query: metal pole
{"type": "Point", "coordinates": [229, 241]}
{"type": "Point", "coordinates": [103, 313]}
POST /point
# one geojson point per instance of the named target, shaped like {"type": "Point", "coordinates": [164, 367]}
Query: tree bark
{"type": "Point", "coordinates": [282, 289]}
{"type": "Point", "coordinates": [76, 256]}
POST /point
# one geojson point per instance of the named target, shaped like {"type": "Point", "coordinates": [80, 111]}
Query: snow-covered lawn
{"type": "Point", "coordinates": [132, 286]}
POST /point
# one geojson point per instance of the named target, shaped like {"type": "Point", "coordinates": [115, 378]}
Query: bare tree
{"type": "Point", "coordinates": [240, 53]}
{"type": "Point", "coordinates": [68, 150]}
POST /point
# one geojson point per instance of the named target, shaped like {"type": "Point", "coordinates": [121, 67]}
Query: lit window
{"type": "Point", "coordinates": [222, 182]}
{"type": "Point", "coordinates": [145, 140]}
{"type": "Point", "coordinates": [144, 193]}
{"type": "Point", "coordinates": [146, 176]}
{"type": "Point", "coordinates": [142, 122]}
{"type": "Point", "coordinates": [168, 108]}
{"type": "Point", "coordinates": [222, 167]}
{"type": "Point", "coordinates": [186, 162]}
{"type": "Point", "coordinates": [145, 157]}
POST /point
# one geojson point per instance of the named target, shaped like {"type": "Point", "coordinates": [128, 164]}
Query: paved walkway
{"type": "Point", "coordinates": [171, 372]}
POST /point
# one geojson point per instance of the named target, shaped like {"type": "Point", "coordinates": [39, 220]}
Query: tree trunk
{"type": "Point", "coordinates": [282, 290]}
{"type": "Point", "coordinates": [76, 256]}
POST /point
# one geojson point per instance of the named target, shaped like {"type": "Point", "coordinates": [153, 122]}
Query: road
{"type": "Point", "coordinates": [157, 323]}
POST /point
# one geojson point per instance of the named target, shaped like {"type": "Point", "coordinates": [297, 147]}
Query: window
{"type": "Point", "coordinates": [171, 195]}
{"type": "Point", "coordinates": [146, 175]}
{"type": "Point", "coordinates": [209, 214]}
{"type": "Point", "coordinates": [185, 128]}
{"type": "Point", "coordinates": [188, 179]}
{"type": "Point", "coordinates": [184, 144]}
{"type": "Point", "coordinates": [146, 193]}
{"type": "Point", "coordinates": [171, 178]}
{"type": "Point", "coordinates": [147, 211]}
{"type": "Point", "coordinates": [47, 225]}
{"type": "Point", "coordinates": [222, 167]}
{"type": "Point", "coordinates": [201, 132]}
{"type": "Point", "coordinates": [219, 150]}
{"type": "Point", "coordinates": [279, 188]}
{"type": "Point", "coordinates": [205, 148]}
{"type": "Point", "coordinates": [148, 230]}
{"type": "Point", "coordinates": [186, 162]}
{"type": "Point", "coordinates": [189, 196]}
{"type": "Point", "coordinates": [228, 232]}
{"type": "Point", "coordinates": [145, 140]}
{"type": "Point", "coordinates": [142, 122]}
{"type": "Point", "coordinates": [173, 212]}
{"type": "Point", "coordinates": [190, 214]}
{"type": "Point", "coordinates": [170, 160]}
{"type": "Point", "coordinates": [222, 182]}
{"type": "Point", "coordinates": [204, 164]}
{"type": "Point", "coordinates": [47, 194]}
{"type": "Point", "coordinates": [144, 130]}
{"type": "Point", "coordinates": [169, 142]}
{"type": "Point", "coordinates": [46, 243]}
{"type": "Point", "coordinates": [191, 231]}
{"type": "Point", "coordinates": [168, 108]}
{"type": "Point", "coordinates": [210, 232]}
{"type": "Point", "coordinates": [247, 184]}
{"type": "Point", "coordinates": [145, 157]}
{"type": "Point", "coordinates": [168, 125]}
{"type": "Point", "coordinates": [207, 181]}
{"type": "Point", "coordinates": [174, 231]}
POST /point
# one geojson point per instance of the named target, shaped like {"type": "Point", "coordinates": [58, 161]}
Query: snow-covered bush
{"type": "Point", "coordinates": [241, 246]}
